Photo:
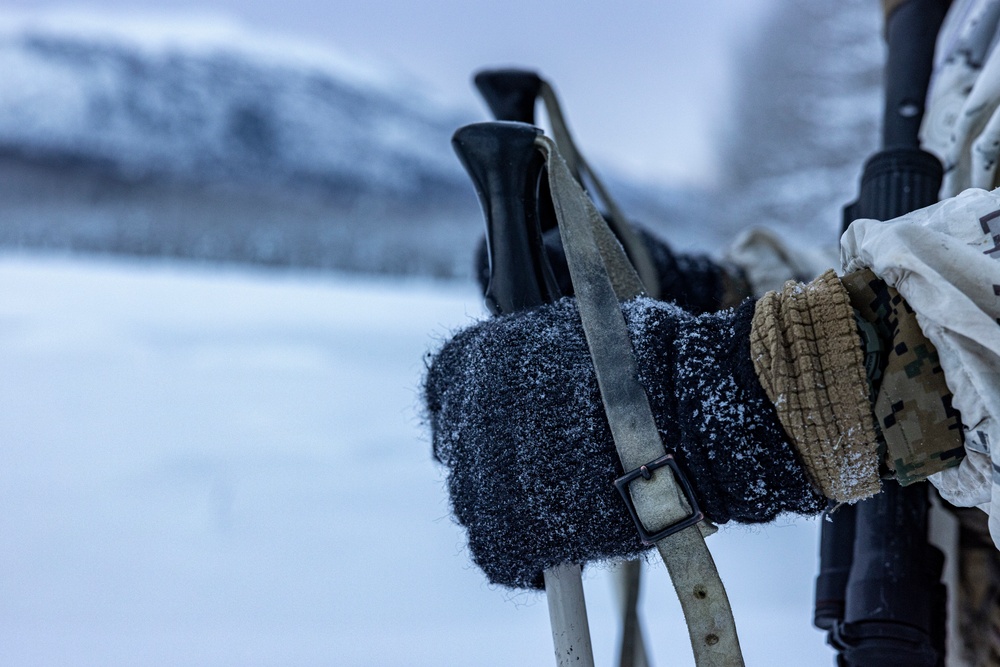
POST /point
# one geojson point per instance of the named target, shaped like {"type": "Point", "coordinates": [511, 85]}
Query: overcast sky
{"type": "Point", "coordinates": [644, 84]}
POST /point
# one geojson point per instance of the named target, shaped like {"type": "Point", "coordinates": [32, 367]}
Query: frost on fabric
{"type": "Point", "coordinates": [727, 425]}
{"type": "Point", "coordinates": [516, 416]}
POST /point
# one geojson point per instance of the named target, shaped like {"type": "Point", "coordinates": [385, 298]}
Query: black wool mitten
{"type": "Point", "coordinates": [516, 416]}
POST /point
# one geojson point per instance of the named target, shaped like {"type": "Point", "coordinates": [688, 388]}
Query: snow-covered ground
{"type": "Point", "coordinates": [218, 467]}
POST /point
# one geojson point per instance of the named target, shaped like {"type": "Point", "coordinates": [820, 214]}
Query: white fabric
{"type": "Point", "coordinates": [945, 261]}
{"type": "Point", "coordinates": [962, 122]}
{"type": "Point", "coordinates": [768, 261]}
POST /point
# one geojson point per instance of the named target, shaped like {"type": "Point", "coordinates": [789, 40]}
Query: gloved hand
{"type": "Point", "coordinates": [920, 428]}
{"type": "Point", "coordinates": [903, 419]}
{"type": "Point", "coordinates": [766, 407]}
{"type": "Point", "coordinates": [516, 416]}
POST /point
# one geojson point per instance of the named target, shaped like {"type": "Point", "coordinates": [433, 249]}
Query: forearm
{"type": "Point", "coordinates": [766, 407]}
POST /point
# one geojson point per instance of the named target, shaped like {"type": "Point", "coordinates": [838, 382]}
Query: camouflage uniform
{"type": "Point", "coordinates": [920, 431]}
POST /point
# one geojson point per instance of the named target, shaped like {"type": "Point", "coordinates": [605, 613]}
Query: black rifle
{"type": "Point", "coordinates": [878, 593]}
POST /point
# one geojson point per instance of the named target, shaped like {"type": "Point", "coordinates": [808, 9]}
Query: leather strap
{"type": "Point", "coordinates": [635, 249]}
{"type": "Point", "coordinates": [602, 278]}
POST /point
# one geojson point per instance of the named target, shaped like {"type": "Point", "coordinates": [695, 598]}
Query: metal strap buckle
{"type": "Point", "coordinates": [646, 472]}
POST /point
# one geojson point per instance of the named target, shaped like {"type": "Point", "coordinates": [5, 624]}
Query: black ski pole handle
{"type": "Point", "coordinates": [510, 93]}
{"type": "Point", "coordinates": [506, 170]}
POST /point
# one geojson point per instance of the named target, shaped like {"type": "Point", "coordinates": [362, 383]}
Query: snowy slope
{"type": "Point", "coordinates": [204, 101]}
{"type": "Point", "coordinates": [227, 468]}
{"type": "Point", "coordinates": [202, 139]}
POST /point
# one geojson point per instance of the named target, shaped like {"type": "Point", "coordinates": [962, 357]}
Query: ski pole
{"type": "Point", "coordinates": [505, 167]}
{"type": "Point", "coordinates": [512, 95]}
{"type": "Point", "coordinates": [568, 616]}
{"type": "Point", "coordinates": [663, 506]}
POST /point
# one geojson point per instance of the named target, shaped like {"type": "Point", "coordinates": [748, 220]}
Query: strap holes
{"type": "Point", "coordinates": [700, 593]}
{"type": "Point", "coordinates": [712, 640]}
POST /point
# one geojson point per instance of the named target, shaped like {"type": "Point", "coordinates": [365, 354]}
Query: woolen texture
{"type": "Point", "coordinates": [516, 416]}
{"type": "Point", "coordinates": [807, 354]}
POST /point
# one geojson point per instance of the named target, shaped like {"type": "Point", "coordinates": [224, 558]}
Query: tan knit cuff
{"type": "Point", "coordinates": [807, 354]}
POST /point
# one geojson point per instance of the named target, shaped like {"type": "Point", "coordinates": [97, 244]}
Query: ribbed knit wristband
{"type": "Point", "coordinates": [805, 348]}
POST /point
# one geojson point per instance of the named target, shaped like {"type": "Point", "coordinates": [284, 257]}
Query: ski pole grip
{"type": "Point", "coordinates": [505, 168]}
{"type": "Point", "coordinates": [510, 93]}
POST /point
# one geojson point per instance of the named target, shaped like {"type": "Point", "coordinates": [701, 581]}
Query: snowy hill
{"type": "Point", "coordinates": [202, 139]}
{"type": "Point", "coordinates": [223, 467]}
{"type": "Point", "coordinates": [208, 103]}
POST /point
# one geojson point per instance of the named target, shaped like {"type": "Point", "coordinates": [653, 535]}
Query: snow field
{"type": "Point", "coordinates": [218, 467]}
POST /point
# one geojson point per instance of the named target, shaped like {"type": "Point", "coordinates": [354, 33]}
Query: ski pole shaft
{"type": "Point", "coordinates": [568, 616]}
{"type": "Point", "coordinates": [628, 580]}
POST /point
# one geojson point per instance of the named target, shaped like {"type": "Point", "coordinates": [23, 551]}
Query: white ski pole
{"type": "Point", "coordinates": [568, 616]}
